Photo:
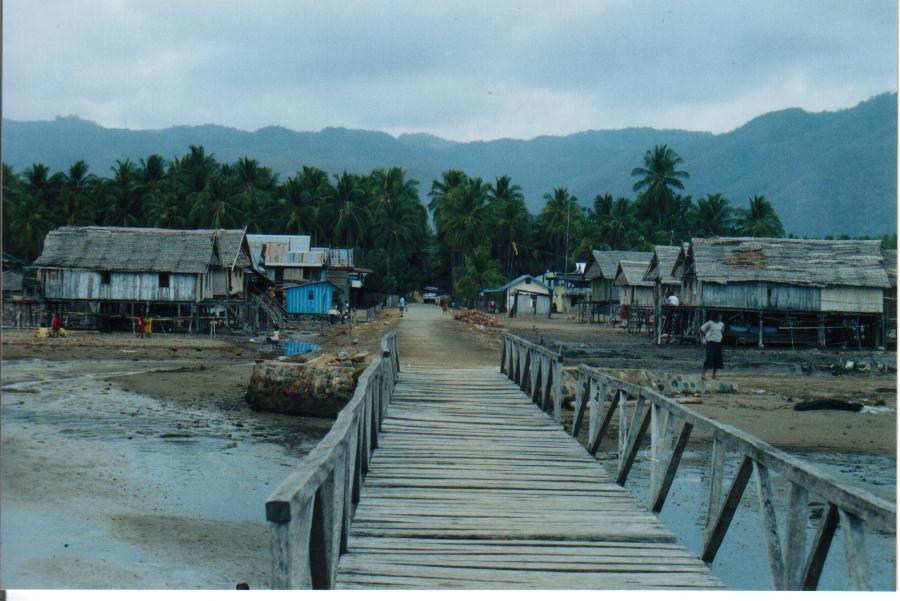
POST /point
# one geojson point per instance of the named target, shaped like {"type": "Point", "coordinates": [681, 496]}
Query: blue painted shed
{"type": "Point", "coordinates": [312, 297]}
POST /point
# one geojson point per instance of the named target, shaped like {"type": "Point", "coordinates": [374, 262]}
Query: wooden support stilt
{"type": "Point", "coordinates": [760, 335]}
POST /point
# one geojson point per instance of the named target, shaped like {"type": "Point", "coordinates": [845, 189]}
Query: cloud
{"type": "Point", "coordinates": [464, 70]}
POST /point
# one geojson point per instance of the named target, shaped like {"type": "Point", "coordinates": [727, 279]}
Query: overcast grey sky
{"type": "Point", "coordinates": [462, 70]}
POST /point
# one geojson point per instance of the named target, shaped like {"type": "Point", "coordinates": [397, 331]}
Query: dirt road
{"type": "Point", "coordinates": [430, 338]}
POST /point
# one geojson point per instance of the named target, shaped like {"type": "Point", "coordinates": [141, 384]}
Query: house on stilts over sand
{"type": "Point", "coordinates": [784, 291]}
{"type": "Point", "coordinates": [106, 276]}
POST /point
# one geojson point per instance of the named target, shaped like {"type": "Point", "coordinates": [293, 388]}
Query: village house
{"type": "Point", "coordinates": [524, 296]}
{"type": "Point", "coordinates": [601, 271]}
{"type": "Point", "coordinates": [890, 296]}
{"type": "Point", "coordinates": [109, 274]}
{"type": "Point", "coordinates": [793, 291]}
{"type": "Point", "coordinates": [570, 290]}
{"type": "Point", "coordinates": [289, 260]}
{"type": "Point", "coordinates": [634, 291]}
{"type": "Point", "coordinates": [311, 298]}
{"type": "Point", "coordinates": [665, 284]}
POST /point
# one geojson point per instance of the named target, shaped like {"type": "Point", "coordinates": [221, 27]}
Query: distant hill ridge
{"type": "Point", "coordinates": [829, 172]}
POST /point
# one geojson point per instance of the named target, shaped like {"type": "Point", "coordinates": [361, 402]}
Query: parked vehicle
{"type": "Point", "coordinates": [430, 294]}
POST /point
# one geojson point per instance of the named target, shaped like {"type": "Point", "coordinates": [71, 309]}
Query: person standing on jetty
{"type": "Point", "coordinates": [712, 335]}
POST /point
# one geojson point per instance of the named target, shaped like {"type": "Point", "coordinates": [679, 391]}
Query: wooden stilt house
{"type": "Point", "coordinates": [824, 292]}
{"type": "Point", "coordinates": [119, 272]}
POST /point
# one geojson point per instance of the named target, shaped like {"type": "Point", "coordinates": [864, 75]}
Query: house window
{"type": "Point", "coordinates": [105, 278]}
{"type": "Point", "coordinates": [311, 295]}
{"type": "Point", "coordinates": [164, 280]}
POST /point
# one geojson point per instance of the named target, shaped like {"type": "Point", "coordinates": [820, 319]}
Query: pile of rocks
{"type": "Point", "coordinates": [318, 386]}
{"type": "Point", "coordinates": [849, 366]}
{"type": "Point", "coordinates": [478, 318]}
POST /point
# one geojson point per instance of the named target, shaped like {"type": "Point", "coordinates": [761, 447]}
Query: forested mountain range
{"type": "Point", "coordinates": [825, 173]}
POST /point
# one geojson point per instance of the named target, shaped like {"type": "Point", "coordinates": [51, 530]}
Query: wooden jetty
{"type": "Point", "coordinates": [465, 478]}
{"type": "Point", "coordinates": [473, 486]}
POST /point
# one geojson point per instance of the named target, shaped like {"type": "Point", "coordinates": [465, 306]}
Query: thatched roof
{"type": "Point", "coordinates": [661, 264]}
{"type": "Point", "coordinates": [819, 263]}
{"type": "Point", "coordinates": [631, 273]}
{"type": "Point", "coordinates": [890, 265]}
{"type": "Point", "coordinates": [606, 262]}
{"type": "Point", "coordinates": [142, 249]}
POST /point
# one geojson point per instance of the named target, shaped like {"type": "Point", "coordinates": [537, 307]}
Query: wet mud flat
{"type": "Point", "coordinates": [770, 383]}
{"type": "Point", "coordinates": [105, 487]}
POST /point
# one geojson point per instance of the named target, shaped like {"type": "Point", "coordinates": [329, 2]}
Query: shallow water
{"type": "Point", "coordinates": [742, 562]}
{"type": "Point", "coordinates": [133, 492]}
{"type": "Point", "coordinates": [298, 347]}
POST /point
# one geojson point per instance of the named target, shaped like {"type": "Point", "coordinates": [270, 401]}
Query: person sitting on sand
{"type": "Point", "coordinates": [712, 335]}
{"type": "Point", "coordinates": [55, 325]}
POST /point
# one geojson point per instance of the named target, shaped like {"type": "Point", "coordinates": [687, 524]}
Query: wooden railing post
{"type": "Point", "coordinates": [556, 370]}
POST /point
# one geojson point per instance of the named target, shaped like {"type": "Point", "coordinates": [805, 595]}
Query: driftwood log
{"type": "Point", "coordinates": [835, 404]}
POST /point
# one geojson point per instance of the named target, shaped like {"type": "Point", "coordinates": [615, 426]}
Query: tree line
{"type": "Point", "coordinates": [480, 234]}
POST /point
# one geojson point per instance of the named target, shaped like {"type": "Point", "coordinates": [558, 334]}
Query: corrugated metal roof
{"type": "Point", "coordinates": [631, 273]}
{"type": "Point", "coordinates": [511, 283]}
{"type": "Point", "coordinates": [142, 249]}
{"type": "Point", "coordinates": [606, 262]}
{"type": "Point", "coordinates": [662, 262]}
{"type": "Point", "coordinates": [817, 263]}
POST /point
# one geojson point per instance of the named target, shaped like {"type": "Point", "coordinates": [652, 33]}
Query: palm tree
{"type": "Point", "coordinates": [217, 205]}
{"type": "Point", "coordinates": [123, 195]}
{"type": "Point", "coordinates": [391, 185]}
{"type": "Point", "coordinates": [478, 271]}
{"type": "Point", "coordinates": [509, 218]}
{"type": "Point", "coordinates": [395, 228]}
{"type": "Point", "coordinates": [316, 193]}
{"type": "Point", "coordinates": [759, 220]}
{"type": "Point", "coordinates": [298, 218]}
{"type": "Point", "coordinates": [464, 218]}
{"type": "Point", "coordinates": [165, 210]}
{"type": "Point", "coordinates": [26, 219]}
{"type": "Point", "coordinates": [153, 169]}
{"type": "Point", "coordinates": [659, 176]}
{"type": "Point", "coordinates": [349, 206]}
{"type": "Point", "coordinates": [74, 200]}
{"type": "Point", "coordinates": [602, 207]}
{"type": "Point", "coordinates": [713, 216]}
{"type": "Point", "coordinates": [558, 216]}
{"type": "Point", "coordinates": [618, 223]}
{"type": "Point", "coordinates": [449, 179]}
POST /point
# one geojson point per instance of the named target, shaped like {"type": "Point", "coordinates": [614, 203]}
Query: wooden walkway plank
{"type": "Point", "coordinates": [473, 486]}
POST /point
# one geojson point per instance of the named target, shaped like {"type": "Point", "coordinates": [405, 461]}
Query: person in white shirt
{"type": "Point", "coordinates": [672, 300]}
{"type": "Point", "coordinates": [712, 335]}
{"type": "Point", "coordinates": [274, 338]}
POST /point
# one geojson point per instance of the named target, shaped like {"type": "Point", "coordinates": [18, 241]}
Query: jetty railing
{"type": "Point", "coordinates": [536, 369]}
{"type": "Point", "coordinates": [311, 511]}
{"type": "Point", "coordinates": [794, 564]}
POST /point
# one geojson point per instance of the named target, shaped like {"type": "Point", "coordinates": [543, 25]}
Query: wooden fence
{"type": "Point", "coordinates": [311, 511]}
{"type": "Point", "coordinates": [537, 371]}
{"type": "Point", "coordinates": [670, 426]}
